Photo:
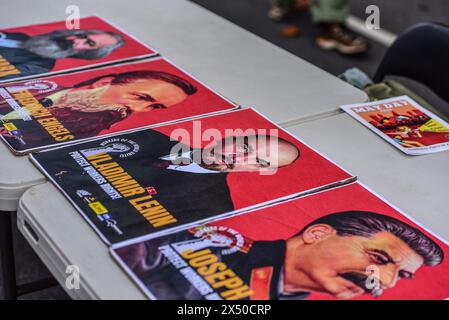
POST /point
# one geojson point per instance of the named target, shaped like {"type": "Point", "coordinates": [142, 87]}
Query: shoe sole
{"type": "Point", "coordinates": [334, 45]}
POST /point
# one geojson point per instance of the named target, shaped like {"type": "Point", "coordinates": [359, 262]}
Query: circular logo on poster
{"type": "Point", "coordinates": [123, 147]}
{"type": "Point", "coordinates": [231, 240]}
{"type": "Point", "coordinates": [41, 86]}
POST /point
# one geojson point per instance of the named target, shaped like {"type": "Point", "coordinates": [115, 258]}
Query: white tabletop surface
{"type": "Point", "coordinates": [16, 175]}
{"type": "Point", "coordinates": [245, 68]}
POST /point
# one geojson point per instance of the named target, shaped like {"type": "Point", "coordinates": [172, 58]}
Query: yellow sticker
{"type": "Point", "coordinates": [433, 126]}
{"type": "Point", "coordinates": [10, 126]}
{"type": "Point", "coordinates": [98, 208]}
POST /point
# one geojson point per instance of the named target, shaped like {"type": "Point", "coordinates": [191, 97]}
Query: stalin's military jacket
{"type": "Point", "coordinates": [214, 264]}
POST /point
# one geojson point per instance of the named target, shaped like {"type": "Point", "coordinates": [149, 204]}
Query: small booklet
{"type": "Point", "coordinates": [40, 113]}
{"type": "Point", "coordinates": [160, 179]}
{"type": "Point", "coordinates": [342, 243]}
{"type": "Point", "coordinates": [44, 49]}
{"type": "Point", "coordinates": [403, 123]}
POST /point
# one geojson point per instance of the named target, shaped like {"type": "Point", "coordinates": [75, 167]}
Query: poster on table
{"type": "Point", "coordinates": [44, 49]}
{"type": "Point", "coordinates": [342, 243]}
{"type": "Point", "coordinates": [163, 178]}
{"type": "Point", "coordinates": [39, 113]}
{"type": "Point", "coordinates": [404, 123]}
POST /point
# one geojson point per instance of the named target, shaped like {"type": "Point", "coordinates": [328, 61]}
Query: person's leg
{"type": "Point", "coordinates": [329, 11]}
{"type": "Point", "coordinates": [330, 16]}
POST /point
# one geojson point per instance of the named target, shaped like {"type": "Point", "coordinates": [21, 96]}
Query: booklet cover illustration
{"type": "Point", "coordinates": [43, 49]}
{"type": "Point", "coordinates": [153, 180]}
{"type": "Point", "coordinates": [403, 123]}
{"type": "Point", "coordinates": [38, 113]}
{"type": "Point", "coordinates": [343, 243]}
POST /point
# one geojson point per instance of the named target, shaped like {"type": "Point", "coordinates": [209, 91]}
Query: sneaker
{"type": "Point", "coordinates": [337, 36]}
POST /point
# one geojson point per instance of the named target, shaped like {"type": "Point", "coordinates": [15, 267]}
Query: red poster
{"type": "Point", "coordinates": [39, 113]}
{"type": "Point", "coordinates": [43, 49]}
{"type": "Point", "coordinates": [159, 179]}
{"type": "Point", "coordinates": [343, 243]}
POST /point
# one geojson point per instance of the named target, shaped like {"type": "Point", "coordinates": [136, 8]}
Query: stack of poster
{"type": "Point", "coordinates": [161, 179]}
{"type": "Point", "coordinates": [201, 201]}
{"type": "Point", "coordinates": [404, 123]}
{"type": "Point", "coordinates": [343, 243]}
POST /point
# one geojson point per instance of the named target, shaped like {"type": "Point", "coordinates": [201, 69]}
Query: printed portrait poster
{"type": "Point", "coordinates": [403, 123]}
{"type": "Point", "coordinates": [39, 113]}
{"type": "Point", "coordinates": [343, 243]}
{"type": "Point", "coordinates": [48, 48]}
{"type": "Point", "coordinates": [160, 179]}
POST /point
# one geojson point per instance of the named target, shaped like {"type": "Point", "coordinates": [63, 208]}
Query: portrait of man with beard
{"type": "Point", "coordinates": [96, 104]}
{"type": "Point", "coordinates": [333, 255]}
{"type": "Point", "coordinates": [37, 54]}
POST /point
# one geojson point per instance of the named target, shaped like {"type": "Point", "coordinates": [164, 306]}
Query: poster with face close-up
{"type": "Point", "coordinates": [157, 179]}
{"type": "Point", "coordinates": [43, 49]}
{"type": "Point", "coordinates": [38, 113]}
{"type": "Point", "coordinates": [343, 243]}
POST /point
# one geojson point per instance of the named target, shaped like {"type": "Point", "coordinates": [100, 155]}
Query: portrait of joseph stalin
{"type": "Point", "coordinates": [332, 255]}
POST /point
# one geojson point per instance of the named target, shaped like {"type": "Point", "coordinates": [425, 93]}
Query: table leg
{"type": "Point", "coordinates": [7, 257]}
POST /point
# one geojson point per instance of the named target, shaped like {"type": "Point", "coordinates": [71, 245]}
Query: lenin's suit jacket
{"type": "Point", "coordinates": [26, 61]}
{"type": "Point", "coordinates": [188, 196]}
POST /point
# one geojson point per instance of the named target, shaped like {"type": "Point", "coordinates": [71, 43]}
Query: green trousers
{"type": "Point", "coordinates": [323, 10]}
{"type": "Point", "coordinates": [329, 10]}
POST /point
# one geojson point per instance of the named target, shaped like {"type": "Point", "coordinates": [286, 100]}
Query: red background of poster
{"type": "Point", "coordinates": [310, 170]}
{"type": "Point", "coordinates": [130, 49]}
{"type": "Point", "coordinates": [285, 220]}
{"type": "Point", "coordinates": [201, 102]}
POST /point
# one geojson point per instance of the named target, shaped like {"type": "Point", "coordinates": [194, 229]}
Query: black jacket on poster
{"type": "Point", "coordinates": [264, 260]}
{"type": "Point", "coordinates": [188, 196]}
{"type": "Point", "coordinates": [26, 61]}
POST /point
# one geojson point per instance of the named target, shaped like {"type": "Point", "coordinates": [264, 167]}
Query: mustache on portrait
{"type": "Point", "coordinates": [360, 280]}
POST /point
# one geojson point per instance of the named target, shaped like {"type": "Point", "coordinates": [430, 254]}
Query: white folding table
{"type": "Point", "coordinates": [241, 66]}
